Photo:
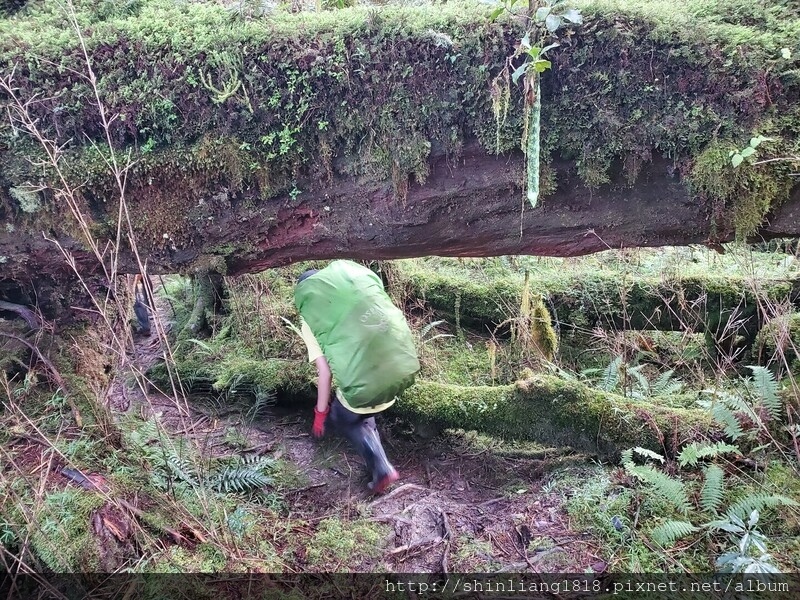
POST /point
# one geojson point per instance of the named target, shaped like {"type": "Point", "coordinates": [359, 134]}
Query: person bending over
{"type": "Point", "coordinates": [357, 425]}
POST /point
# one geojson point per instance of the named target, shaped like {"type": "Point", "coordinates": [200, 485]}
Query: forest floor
{"type": "Point", "coordinates": [457, 507]}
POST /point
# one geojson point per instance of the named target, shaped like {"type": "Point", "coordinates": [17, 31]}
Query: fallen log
{"type": "Point", "coordinates": [549, 410]}
{"type": "Point", "coordinates": [723, 307]}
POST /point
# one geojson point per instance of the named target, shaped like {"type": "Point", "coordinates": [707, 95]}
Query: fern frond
{"type": "Point", "coordinates": [670, 489]}
{"type": "Point", "coordinates": [649, 454]}
{"type": "Point", "coordinates": [744, 507]}
{"type": "Point", "coordinates": [669, 531]}
{"type": "Point", "coordinates": [239, 479]}
{"type": "Point", "coordinates": [611, 375]}
{"type": "Point", "coordinates": [643, 384]}
{"type": "Point", "coordinates": [766, 386]}
{"type": "Point", "coordinates": [626, 458]}
{"type": "Point", "coordinates": [741, 404]}
{"type": "Point", "coordinates": [713, 489]}
{"type": "Point", "coordinates": [257, 462]}
{"type": "Point", "coordinates": [720, 408]}
{"type": "Point", "coordinates": [207, 348]}
{"type": "Point", "coordinates": [693, 452]}
{"type": "Point", "coordinates": [423, 332]}
{"type": "Point", "coordinates": [666, 385]}
{"type": "Point", "coordinates": [181, 468]}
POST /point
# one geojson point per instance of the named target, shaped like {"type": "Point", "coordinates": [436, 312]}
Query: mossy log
{"type": "Point", "coordinates": [553, 411]}
{"type": "Point", "coordinates": [722, 307]}
{"type": "Point", "coordinates": [367, 133]}
{"type": "Point", "coordinates": [778, 343]}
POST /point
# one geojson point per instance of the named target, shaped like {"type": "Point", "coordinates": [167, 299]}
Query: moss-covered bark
{"type": "Point", "coordinates": [244, 135]}
{"type": "Point", "coordinates": [549, 410]}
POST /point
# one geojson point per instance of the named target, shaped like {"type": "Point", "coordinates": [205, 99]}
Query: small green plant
{"type": "Point", "coordinates": [245, 474]}
{"type": "Point", "coordinates": [750, 554]}
{"type": "Point", "coordinates": [545, 18]}
{"type": "Point", "coordinates": [632, 383]}
{"type": "Point", "coordinates": [7, 535]}
{"type": "Point", "coordinates": [738, 156]}
{"type": "Point", "coordinates": [736, 409]}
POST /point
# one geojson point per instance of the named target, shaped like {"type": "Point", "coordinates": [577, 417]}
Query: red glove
{"type": "Point", "coordinates": [319, 422]}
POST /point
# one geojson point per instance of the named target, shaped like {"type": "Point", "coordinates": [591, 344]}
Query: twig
{"type": "Point", "coordinates": [305, 489]}
{"type": "Point", "coordinates": [493, 501]}
{"type": "Point", "coordinates": [448, 538]}
{"type": "Point", "coordinates": [794, 436]}
{"type": "Point", "coordinates": [403, 488]}
{"type": "Point", "coordinates": [435, 539]}
{"type": "Point", "coordinates": [30, 317]}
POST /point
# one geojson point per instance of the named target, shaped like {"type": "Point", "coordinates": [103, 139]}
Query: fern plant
{"type": "Point", "coordinates": [709, 501]}
{"type": "Point", "coordinates": [632, 383]}
{"type": "Point", "coordinates": [740, 412]}
{"type": "Point", "coordinates": [245, 474]}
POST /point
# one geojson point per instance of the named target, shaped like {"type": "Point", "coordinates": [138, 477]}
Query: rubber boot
{"type": "Point", "coordinates": [383, 473]}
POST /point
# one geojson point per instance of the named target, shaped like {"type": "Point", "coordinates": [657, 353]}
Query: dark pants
{"type": "Point", "coordinates": [360, 430]}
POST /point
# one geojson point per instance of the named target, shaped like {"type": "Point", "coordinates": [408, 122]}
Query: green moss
{"type": "Point", "coordinates": [61, 535]}
{"type": "Point", "coordinates": [595, 298]}
{"type": "Point", "coordinates": [552, 411]}
{"type": "Point", "coordinates": [28, 200]}
{"type": "Point", "coordinates": [252, 107]}
{"type": "Point", "coordinates": [339, 545]}
{"type": "Point", "coordinates": [749, 190]}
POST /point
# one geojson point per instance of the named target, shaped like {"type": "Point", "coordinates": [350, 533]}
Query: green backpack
{"type": "Point", "coordinates": [364, 336]}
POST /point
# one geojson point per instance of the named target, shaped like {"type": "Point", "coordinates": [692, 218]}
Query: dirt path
{"type": "Point", "coordinates": [457, 507]}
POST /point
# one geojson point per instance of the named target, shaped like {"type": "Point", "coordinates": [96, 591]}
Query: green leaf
{"type": "Point", "coordinates": [534, 52]}
{"type": "Point", "coordinates": [753, 519]}
{"type": "Point", "coordinates": [711, 494]}
{"type": "Point", "coordinates": [611, 375]}
{"type": "Point", "coordinates": [519, 72]}
{"type": "Point", "coordinates": [542, 65]}
{"type": "Point", "coordinates": [724, 525]}
{"type": "Point", "coordinates": [670, 489]}
{"type": "Point", "coordinates": [549, 47]}
{"type": "Point", "coordinates": [526, 41]}
{"type": "Point", "coordinates": [573, 16]}
{"type": "Point", "coordinates": [747, 152]}
{"type": "Point", "coordinates": [737, 159]}
{"type": "Point", "coordinates": [766, 385]}
{"type": "Point", "coordinates": [755, 141]}
{"type": "Point", "coordinates": [786, 53]}
{"type": "Point", "coordinates": [552, 22]}
{"type": "Point", "coordinates": [542, 13]}
{"type": "Point", "coordinates": [496, 13]}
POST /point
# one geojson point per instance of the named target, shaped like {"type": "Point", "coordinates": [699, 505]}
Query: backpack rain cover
{"type": "Point", "coordinates": [363, 335]}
